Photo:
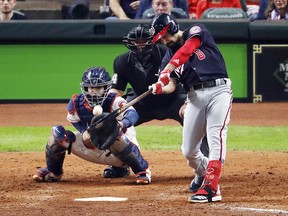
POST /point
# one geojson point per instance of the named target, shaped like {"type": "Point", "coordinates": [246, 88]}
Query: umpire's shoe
{"type": "Point", "coordinates": [116, 172]}
{"type": "Point", "coordinates": [44, 175]}
{"type": "Point", "coordinates": [196, 183]}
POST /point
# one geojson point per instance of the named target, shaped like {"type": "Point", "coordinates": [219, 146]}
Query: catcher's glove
{"type": "Point", "coordinates": [104, 136]}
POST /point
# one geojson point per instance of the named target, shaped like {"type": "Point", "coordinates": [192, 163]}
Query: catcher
{"type": "Point", "coordinates": [114, 143]}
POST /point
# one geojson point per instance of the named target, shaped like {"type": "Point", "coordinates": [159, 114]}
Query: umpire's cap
{"type": "Point", "coordinates": [162, 24]}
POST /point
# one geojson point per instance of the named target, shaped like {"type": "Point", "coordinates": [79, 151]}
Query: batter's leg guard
{"type": "Point", "coordinates": [131, 155]}
{"type": "Point", "coordinates": [55, 155]}
{"type": "Point", "coordinates": [210, 190]}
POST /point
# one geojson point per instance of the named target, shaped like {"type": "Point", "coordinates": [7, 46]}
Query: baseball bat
{"type": "Point", "coordinates": [120, 110]}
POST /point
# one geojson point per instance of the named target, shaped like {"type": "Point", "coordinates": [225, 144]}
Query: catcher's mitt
{"type": "Point", "coordinates": [103, 137]}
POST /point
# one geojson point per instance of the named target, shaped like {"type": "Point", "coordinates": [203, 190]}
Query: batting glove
{"type": "Point", "coordinates": [157, 88]}
{"type": "Point", "coordinates": [164, 77]}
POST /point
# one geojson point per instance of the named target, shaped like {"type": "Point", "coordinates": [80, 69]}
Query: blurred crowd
{"type": "Point", "coordinates": [179, 9]}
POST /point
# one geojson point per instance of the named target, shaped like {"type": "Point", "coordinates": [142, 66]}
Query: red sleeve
{"type": "Point", "coordinates": [182, 55]}
{"type": "Point", "coordinates": [237, 4]}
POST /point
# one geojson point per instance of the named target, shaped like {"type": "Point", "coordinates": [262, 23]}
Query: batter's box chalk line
{"type": "Point", "coordinates": [247, 209]}
{"type": "Point", "coordinates": [102, 199]}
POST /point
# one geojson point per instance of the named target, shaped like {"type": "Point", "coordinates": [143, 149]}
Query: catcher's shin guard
{"type": "Point", "coordinates": [55, 152]}
{"type": "Point", "coordinates": [129, 154]}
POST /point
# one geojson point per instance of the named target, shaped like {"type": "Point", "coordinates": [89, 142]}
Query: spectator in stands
{"type": "Point", "coordinates": [252, 9]}
{"type": "Point", "coordinates": [7, 11]}
{"type": "Point", "coordinates": [123, 9]}
{"type": "Point", "coordinates": [206, 4]}
{"type": "Point", "coordinates": [277, 10]}
{"type": "Point", "coordinates": [192, 5]}
{"type": "Point", "coordinates": [164, 6]}
{"type": "Point", "coordinates": [263, 5]}
{"type": "Point", "coordinates": [147, 4]}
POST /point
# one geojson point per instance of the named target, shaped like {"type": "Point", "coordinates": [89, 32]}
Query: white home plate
{"type": "Point", "coordinates": [101, 199]}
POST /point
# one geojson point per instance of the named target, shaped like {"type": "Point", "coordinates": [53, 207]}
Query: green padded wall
{"type": "Point", "coordinates": [40, 72]}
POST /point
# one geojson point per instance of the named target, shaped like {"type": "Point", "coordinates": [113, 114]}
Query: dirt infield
{"type": "Point", "coordinates": [252, 183]}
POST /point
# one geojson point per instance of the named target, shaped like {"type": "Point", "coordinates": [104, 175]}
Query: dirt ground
{"type": "Point", "coordinates": [252, 183]}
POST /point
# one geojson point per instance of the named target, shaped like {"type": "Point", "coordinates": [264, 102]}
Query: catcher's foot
{"type": "Point", "coordinates": [43, 175]}
{"type": "Point", "coordinates": [206, 194]}
{"type": "Point", "coordinates": [144, 177]}
{"type": "Point", "coordinates": [116, 172]}
{"type": "Point", "coordinates": [196, 183]}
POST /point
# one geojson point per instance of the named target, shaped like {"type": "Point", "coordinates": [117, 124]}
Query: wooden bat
{"type": "Point", "coordinates": [120, 110]}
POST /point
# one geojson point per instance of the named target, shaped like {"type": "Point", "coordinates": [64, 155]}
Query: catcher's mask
{"type": "Point", "coordinates": [98, 78]}
{"type": "Point", "coordinates": [139, 42]}
{"type": "Point", "coordinates": [163, 24]}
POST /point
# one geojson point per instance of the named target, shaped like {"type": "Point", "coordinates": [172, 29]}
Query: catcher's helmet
{"type": "Point", "coordinates": [139, 41]}
{"type": "Point", "coordinates": [162, 24]}
{"type": "Point", "coordinates": [95, 77]}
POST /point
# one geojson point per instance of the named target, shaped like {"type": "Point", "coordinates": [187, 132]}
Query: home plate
{"type": "Point", "coordinates": [101, 199]}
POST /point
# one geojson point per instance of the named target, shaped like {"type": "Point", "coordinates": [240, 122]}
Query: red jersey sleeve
{"type": "Point", "coordinates": [183, 54]}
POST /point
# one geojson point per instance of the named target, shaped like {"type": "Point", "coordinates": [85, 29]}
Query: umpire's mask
{"type": "Point", "coordinates": [139, 42]}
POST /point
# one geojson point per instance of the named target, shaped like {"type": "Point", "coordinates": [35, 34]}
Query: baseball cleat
{"type": "Point", "coordinates": [196, 183]}
{"type": "Point", "coordinates": [43, 175]}
{"type": "Point", "coordinates": [116, 172]}
{"type": "Point", "coordinates": [143, 178]}
{"type": "Point", "coordinates": [202, 196]}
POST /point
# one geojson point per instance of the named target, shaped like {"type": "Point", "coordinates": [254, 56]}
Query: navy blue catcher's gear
{"type": "Point", "coordinates": [95, 77]}
{"type": "Point", "coordinates": [130, 154]}
{"type": "Point", "coordinates": [162, 24]}
{"type": "Point", "coordinates": [139, 42]}
{"type": "Point", "coordinates": [59, 133]}
{"type": "Point", "coordinates": [55, 152]}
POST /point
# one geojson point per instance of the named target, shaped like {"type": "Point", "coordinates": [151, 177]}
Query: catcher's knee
{"type": "Point", "coordinates": [60, 140]}
{"type": "Point", "coordinates": [122, 145]}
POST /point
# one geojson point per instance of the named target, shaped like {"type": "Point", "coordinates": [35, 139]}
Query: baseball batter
{"type": "Point", "coordinates": [121, 146]}
{"type": "Point", "coordinates": [198, 64]}
{"type": "Point", "coordinates": [139, 67]}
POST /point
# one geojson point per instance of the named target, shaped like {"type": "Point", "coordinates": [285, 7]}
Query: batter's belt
{"type": "Point", "coordinates": [209, 83]}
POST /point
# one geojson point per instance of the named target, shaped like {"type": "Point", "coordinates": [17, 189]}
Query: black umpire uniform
{"type": "Point", "coordinates": [128, 70]}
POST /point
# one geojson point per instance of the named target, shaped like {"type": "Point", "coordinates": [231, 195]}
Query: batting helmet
{"type": "Point", "coordinates": [162, 24]}
{"type": "Point", "coordinates": [95, 77]}
{"type": "Point", "coordinates": [139, 41]}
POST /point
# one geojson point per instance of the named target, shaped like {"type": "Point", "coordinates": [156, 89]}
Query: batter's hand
{"type": "Point", "coordinates": [157, 88]}
{"type": "Point", "coordinates": [87, 140]}
{"type": "Point", "coordinates": [164, 77]}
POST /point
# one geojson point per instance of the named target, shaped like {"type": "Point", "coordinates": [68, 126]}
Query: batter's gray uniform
{"type": "Point", "coordinates": [199, 66]}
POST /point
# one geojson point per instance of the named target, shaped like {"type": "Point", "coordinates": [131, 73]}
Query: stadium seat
{"type": "Point", "coordinates": [224, 13]}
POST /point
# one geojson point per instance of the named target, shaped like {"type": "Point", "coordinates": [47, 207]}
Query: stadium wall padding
{"type": "Point", "coordinates": [44, 59]}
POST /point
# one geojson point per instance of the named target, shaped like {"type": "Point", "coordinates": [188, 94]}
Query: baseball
{"type": "Point", "coordinates": [97, 110]}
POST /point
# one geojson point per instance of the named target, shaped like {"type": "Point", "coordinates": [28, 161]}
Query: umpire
{"type": "Point", "coordinates": [139, 67]}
